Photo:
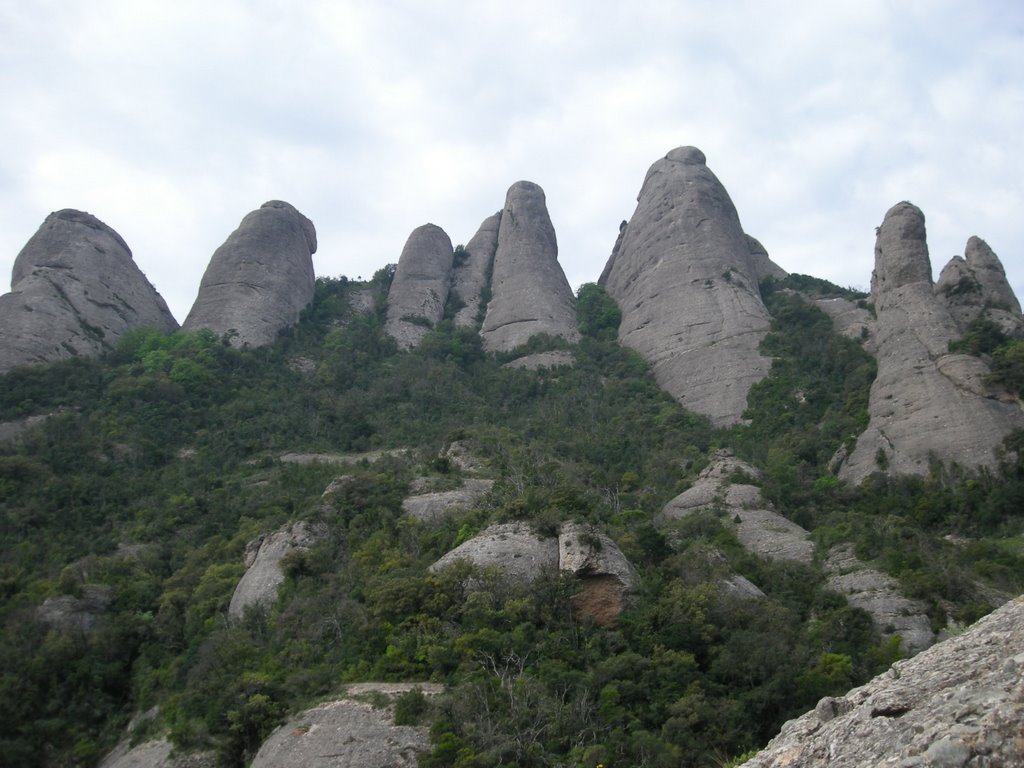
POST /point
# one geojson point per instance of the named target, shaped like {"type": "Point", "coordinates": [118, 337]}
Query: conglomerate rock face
{"type": "Point", "coordinates": [529, 292]}
{"type": "Point", "coordinates": [420, 287]}
{"type": "Point", "coordinates": [958, 704]}
{"type": "Point", "coordinates": [925, 404]}
{"type": "Point", "coordinates": [975, 287]}
{"type": "Point", "coordinates": [686, 277]}
{"type": "Point", "coordinates": [469, 276]}
{"type": "Point", "coordinates": [75, 289]}
{"type": "Point", "coordinates": [260, 279]}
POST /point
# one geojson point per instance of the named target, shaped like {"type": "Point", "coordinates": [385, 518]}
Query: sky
{"type": "Point", "coordinates": [172, 120]}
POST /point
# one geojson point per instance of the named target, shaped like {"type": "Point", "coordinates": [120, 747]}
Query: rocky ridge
{"type": "Point", "coordinates": [960, 704]}
{"type": "Point", "coordinates": [419, 290]}
{"type": "Point", "coordinates": [260, 279]}
{"type": "Point", "coordinates": [75, 289]}
{"type": "Point", "coordinates": [925, 404]}
{"type": "Point", "coordinates": [685, 276]}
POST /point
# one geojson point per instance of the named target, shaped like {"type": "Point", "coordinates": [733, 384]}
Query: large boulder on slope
{"type": "Point", "coordinates": [686, 278]}
{"type": "Point", "coordinates": [75, 289]}
{"type": "Point", "coordinates": [420, 287]}
{"type": "Point", "coordinates": [960, 703]}
{"type": "Point", "coordinates": [529, 292]}
{"type": "Point", "coordinates": [470, 275]}
{"type": "Point", "coordinates": [260, 279]}
{"type": "Point", "coordinates": [925, 404]}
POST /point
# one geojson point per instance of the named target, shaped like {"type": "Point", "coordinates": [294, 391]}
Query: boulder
{"type": "Point", "coordinates": [976, 287]}
{"type": "Point", "coordinates": [263, 555]}
{"type": "Point", "coordinates": [71, 615]}
{"type": "Point", "coordinates": [470, 275]}
{"type": "Point", "coordinates": [515, 549]}
{"type": "Point", "coordinates": [529, 292]}
{"type": "Point", "coordinates": [75, 289]}
{"type": "Point", "coordinates": [420, 287]}
{"type": "Point", "coordinates": [605, 578]}
{"type": "Point", "coordinates": [343, 734]}
{"type": "Point", "coordinates": [925, 405]}
{"type": "Point", "coordinates": [959, 703]}
{"type": "Point", "coordinates": [157, 753]}
{"type": "Point", "coordinates": [685, 276]}
{"type": "Point", "coordinates": [431, 507]}
{"type": "Point", "coordinates": [260, 279]}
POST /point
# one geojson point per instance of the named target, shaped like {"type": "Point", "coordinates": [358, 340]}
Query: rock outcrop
{"type": "Point", "coordinates": [470, 275]}
{"type": "Point", "coordinates": [75, 289]}
{"type": "Point", "coordinates": [73, 615]}
{"type": "Point", "coordinates": [420, 287]}
{"type": "Point", "coordinates": [976, 287]}
{"type": "Point", "coordinates": [263, 555]}
{"type": "Point", "coordinates": [431, 507]}
{"type": "Point", "coordinates": [343, 733]}
{"type": "Point", "coordinates": [605, 578]}
{"type": "Point", "coordinates": [157, 753]}
{"type": "Point", "coordinates": [925, 404]}
{"type": "Point", "coordinates": [686, 279]}
{"type": "Point", "coordinates": [960, 703]}
{"type": "Point", "coordinates": [529, 292]}
{"type": "Point", "coordinates": [260, 279]}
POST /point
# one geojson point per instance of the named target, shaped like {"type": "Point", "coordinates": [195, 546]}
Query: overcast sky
{"type": "Point", "coordinates": [172, 120]}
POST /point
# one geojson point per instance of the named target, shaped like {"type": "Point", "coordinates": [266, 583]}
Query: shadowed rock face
{"type": "Point", "coordinates": [419, 290]}
{"type": "Point", "coordinates": [685, 277]}
{"type": "Point", "coordinates": [75, 289]}
{"type": "Point", "coordinates": [529, 292]}
{"type": "Point", "coordinates": [469, 278]}
{"type": "Point", "coordinates": [925, 403]}
{"type": "Point", "coordinates": [976, 287]}
{"type": "Point", "coordinates": [960, 703]}
{"type": "Point", "coordinates": [260, 279]}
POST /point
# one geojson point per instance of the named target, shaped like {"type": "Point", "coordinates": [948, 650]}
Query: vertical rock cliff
{"type": "Point", "coordinates": [75, 289]}
{"type": "Point", "coordinates": [470, 275]}
{"type": "Point", "coordinates": [529, 292]}
{"type": "Point", "coordinates": [260, 279]}
{"type": "Point", "coordinates": [976, 288]}
{"type": "Point", "coordinates": [419, 290]}
{"type": "Point", "coordinates": [925, 403]}
{"type": "Point", "coordinates": [686, 278]}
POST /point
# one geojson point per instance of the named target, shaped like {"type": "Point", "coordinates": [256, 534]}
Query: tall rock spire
{"type": "Point", "coordinates": [685, 276]}
{"type": "Point", "coordinates": [420, 289]}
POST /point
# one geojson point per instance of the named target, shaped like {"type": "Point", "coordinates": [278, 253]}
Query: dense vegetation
{"type": "Point", "coordinates": [161, 461]}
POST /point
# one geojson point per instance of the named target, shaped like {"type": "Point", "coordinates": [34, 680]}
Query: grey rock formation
{"type": "Point", "coordinates": [976, 287]}
{"type": "Point", "coordinates": [878, 594]}
{"type": "Point", "coordinates": [159, 753]}
{"type": "Point", "coordinates": [420, 287]}
{"type": "Point", "coordinates": [260, 279]}
{"type": "Point", "coordinates": [848, 319]}
{"type": "Point", "coordinates": [606, 579]}
{"type": "Point", "coordinates": [343, 734]}
{"type": "Point", "coordinates": [720, 488]}
{"type": "Point", "coordinates": [75, 289]}
{"type": "Point", "coordinates": [761, 263]}
{"type": "Point", "coordinates": [925, 404]}
{"type": "Point", "coordinates": [258, 587]}
{"type": "Point", "coordinates": [70, 615]}
{"type": "Point", "coordinates": [960, 703]}
{"type": "Point", "coordinates": [686, 280]}
{"type": "Point", "coordinates": [431, 507]}
{"type": "Point", "coordinates": [529, 292]}
{"type": "Point", "coordinates": [515, 549]}
{"type": "Point", "coordinates": [470, 277]}
{"type": "Point", "coordinates": [553, 359]}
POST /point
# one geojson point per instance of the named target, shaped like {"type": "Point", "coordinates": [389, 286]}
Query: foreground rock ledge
{"type": "Point", "coordinates": [960, 703]}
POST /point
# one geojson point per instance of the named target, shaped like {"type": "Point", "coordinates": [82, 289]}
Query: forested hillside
{"type": "Point", "coordinates": [125, 514]}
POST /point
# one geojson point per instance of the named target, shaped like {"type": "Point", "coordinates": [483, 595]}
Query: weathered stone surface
{"type": "Point", "coordinates": [740, 588]}
{"type": "Point", "coordinates": [761, 263]}
{"type": "Point", "coordinates": [12, 430]}
{"type": "Point", "coordinates": [258, 587]}
{"type": "Point", "coordinates": [878, 594]}
{"type": "Point", "coordinates": [343, 734]}
{"type": "Point", "coordinates": [430, 507]}
{"type": "Point", "coordinates": [552, 359]}
{"type": "Point", "coordinates": [924, 405]}
{"type": "Point", "coordinates": [159, 753]}
{"type": "Point", "coordinates": [606, 579]}
{"type": "Point", "coordinates": [469, 278]}
{"type": "Point", "coordinates": [959, 703]}
{"type": "Point", "coordinates": [75, 289]}
{"type": "Point", "coordinates": [848, 319]}
{"type": "Point", "coordinates": [70, 614]}
{"type": "Point", "coordinates": [518, 551]}
{"type": "Point", "coordinates": [420, 287]}
{"type": "Point", "coordinates": [687, 283]}
{"type": "Point", "coordinates": [529, 292]}
{"type": "Point", "coordinates": [462, 455]}
{"type": "Point", "coordinates": [260, 279]}
{"type": "Point", "coordinates": [976, 287]}
{"type": "Point", "coordinates": [341, 459]}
